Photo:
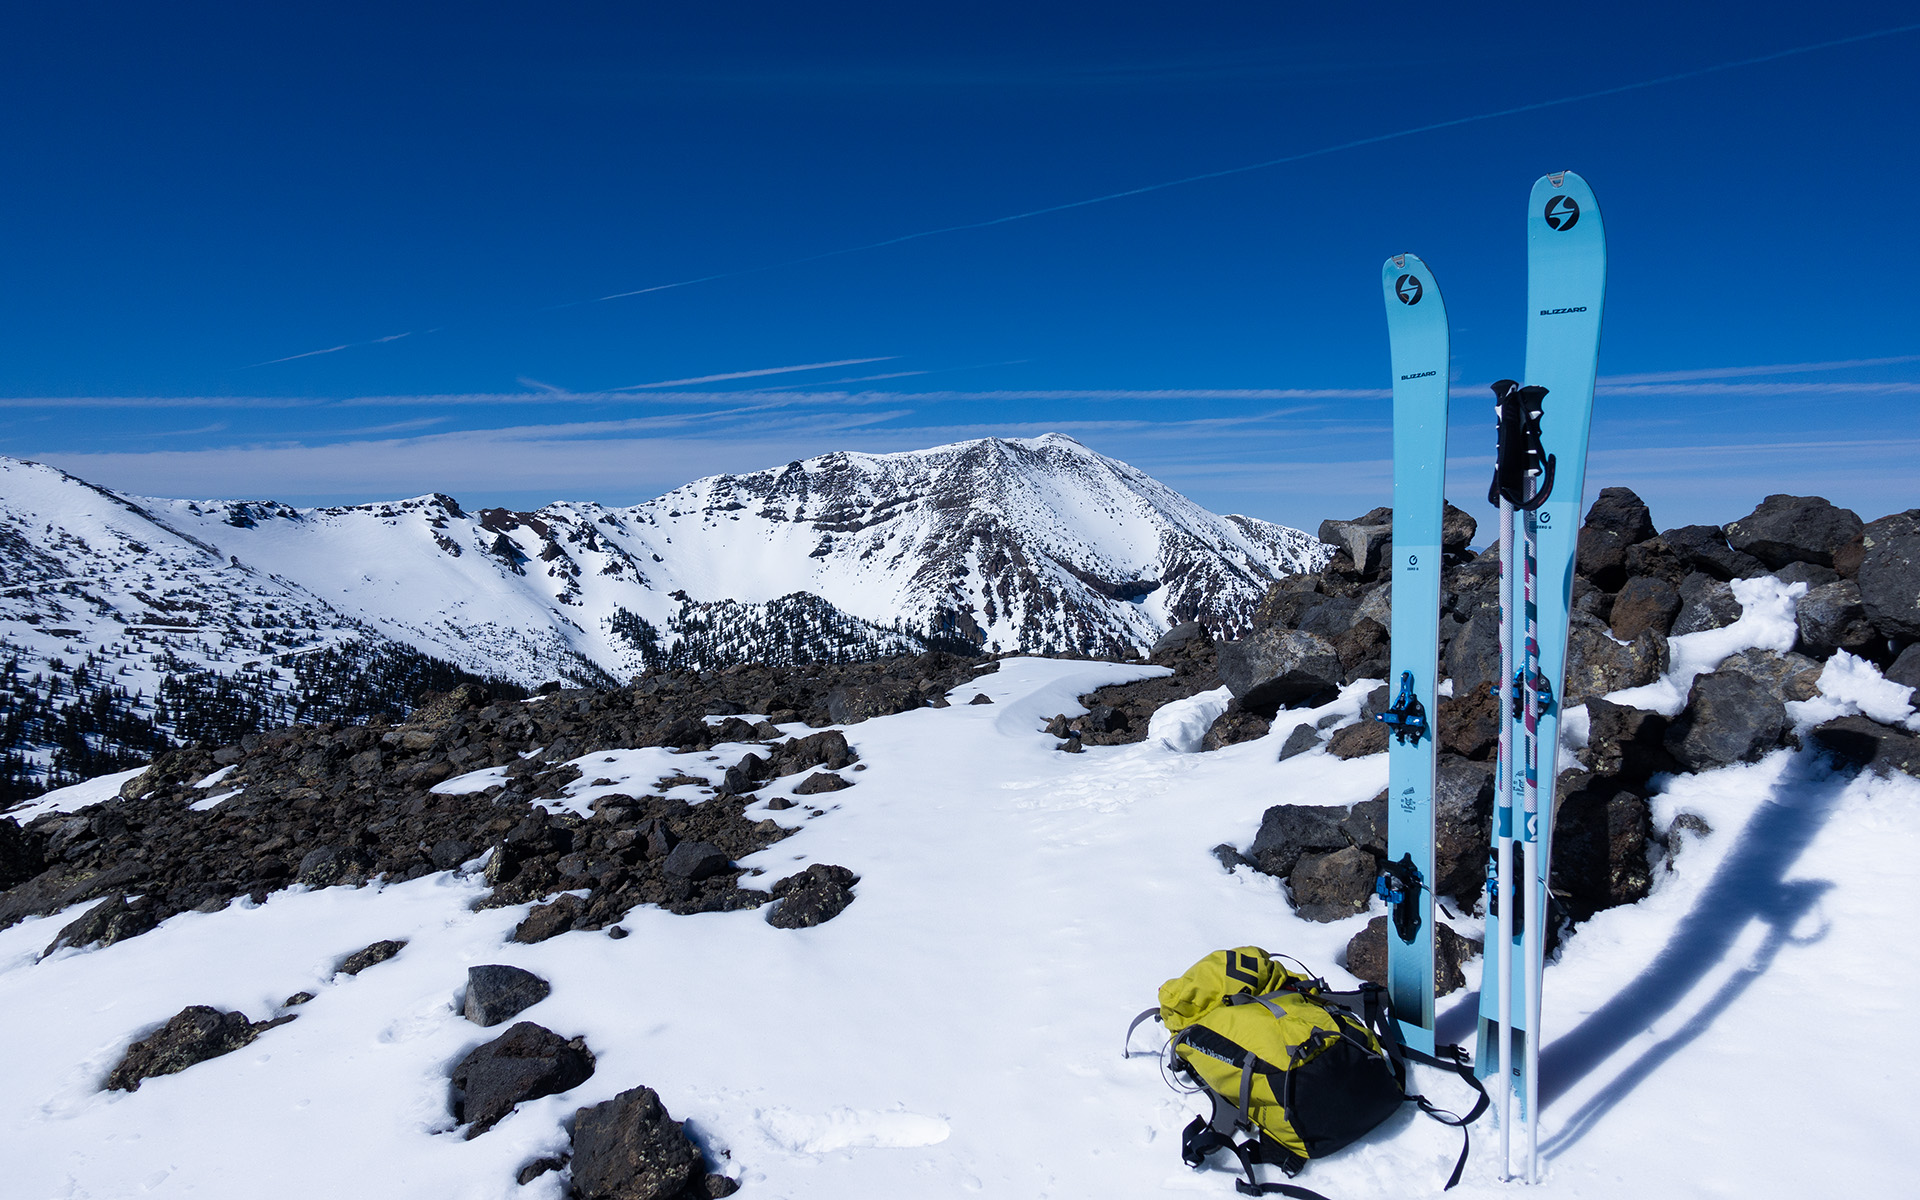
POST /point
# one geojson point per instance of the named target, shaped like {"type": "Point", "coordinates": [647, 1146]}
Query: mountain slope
{"type": "Point", "coordinates": [1038, 544]}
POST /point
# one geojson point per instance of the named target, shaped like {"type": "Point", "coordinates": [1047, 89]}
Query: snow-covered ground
{"type": "Point", "coordinates": [957, 1030]}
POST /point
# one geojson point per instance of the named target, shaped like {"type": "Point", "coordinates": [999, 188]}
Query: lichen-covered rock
{"type": "Point", "coordinates": [112, 920]}
{"type": "Point", "coordinates": [1889, 575]}
{"type": "Point", "coordinates": [1597, 664]}
{"type": "Point", "coordinates": [1646, 602]}
{"type": "Point", "coordinates": [630, 1148]}
{"type": "Point", "coordinates": [195, 1034]}
{"type": "Point", "coordinates": [1705, 603]}
{"type": "Point", "coordinates": [1833, 617]}
{"type": "Point", "coordinates": [1329, 887]}
{"type": "Point", "coordinates": [378, 952]}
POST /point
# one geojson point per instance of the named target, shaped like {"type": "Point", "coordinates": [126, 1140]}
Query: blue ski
{"type": "Point", "coordinates": [1418, 334]}
{"type": "Point", "coordinates": [1566, 288]}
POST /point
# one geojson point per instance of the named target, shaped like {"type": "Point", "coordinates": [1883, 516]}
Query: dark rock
{"type": "Point", "coordinates": [1230, 857]}
{"type": "Point", "coordinates": [1358, 740]}
{"type": "Point", "coordinates": [1645, 603]}
{"type": "Point", "coordinates": [1620, 511]}
{"type": "Point", "coordinates": [848, 705]}
{"type": "Point", "coordinates": [1280, 667]}
{"type": "Point", "coordinates": [1176, 637]}
{"type": "Point", "coordinates": [112, 920]}
{"type": "Point", "coordinates": [539, 1167]}
{"type": "Point", "coordinates": [815, 895]}
{"type": "Point", "coordinates": [629, 1148]}
{"type": "Point", "coordinates": [1786, 529]}
{"type": "Point", "coordinates": [1457, 528]}
{"type": "Point", "coordinates": [1857, 743]}
{"type": "Point", "coordinates": [1472, 658]}
{"type": "Point", "coordinates": [1364, 540]}
{"type": "Point", "coordinates": [1462, 823]}
{"type": "Point", "coordinates": [1600, 836]}
{"type": "Point", "coordinates": [497, 991]}
{"type": "Point", "coordinates": [1597, 664]}
{"type": "Point", "coordinates": [524, 1063]}
{"type": "Point", "coordinates": [1367, 956]}
{"type": "Point", "coordinates": [1617, 520]}
{"type": "Point", "coordinates": [1626, 743]}
{"type": "Point", "coordinates": [981, 698]}
{"type": "Point", "coordinates": [1704, 548]}
{"type": "Point", "coordinates": [820, 781]}
{"type": "Point", "coordinates": [1234, 726]}
{"type": "Point", "coordinates": [195, 1034]}
{"type": "Point", "coordinates": [1790, 676]}
{"type": "Point", "coordinates": [1811, 574]}
{"type": "Point", "coordinates": [448, 853]}
{"type": "Point", "coordinates": [1889, 575]}
{"type": "Point", "coordinates": [1365, 650]}
{"type": "Point", "coordinates": [696, 860]}
{"type": "Point", "coordinates": [828, 748]}
{"type": "Point", "coordinates": [368, 956]}
{"type": "Point", "coordinates": [1329, 887]}
{"type": "Point", "coordinates": [1655, 559]}
{"type": "Point", "coordinates": [1303, 738]}
{"type": "Point", "coordinates": [329, 865]}
{"type": "Point", "coordinates": [1729, 718]}
{"type": "Point", "coordinates": [1906, 668]}
{"type": "Point", "coordinates": [1469, 722]}
{"type": "Point", "coordinates": [22, 855]}
{"type": "Point", "coordinates": [1102, 718]}
{"type": "Point", "coordinates": [1705, 603]}
{"type": "Point", "coordinates": [1833, 617]}
{"type": "Point", "coordinates": [1365, 825]}
{"type": "Point", "coordinates": [549, 920]}
{"type": "Point", "coordinates": [1289, 830]}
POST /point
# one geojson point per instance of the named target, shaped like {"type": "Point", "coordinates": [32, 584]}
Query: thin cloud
{"type": "Point", "coordinates": [819, 366]}
{"type": "Point", "coordinates": [1843, 364]}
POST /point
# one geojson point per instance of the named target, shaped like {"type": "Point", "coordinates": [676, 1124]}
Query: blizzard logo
{"type": "Point", "coordinates": [1554, 312]}
{"type": "Point", "coordinates": [1420, 374]}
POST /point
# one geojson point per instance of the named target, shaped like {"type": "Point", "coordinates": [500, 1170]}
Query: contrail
{"type": "Point", "coordinates": [1271, 162]}
{"type": "Point", "coordinates": [841, 362]}
{"type": "Point", "coordinates": [1223, 173]}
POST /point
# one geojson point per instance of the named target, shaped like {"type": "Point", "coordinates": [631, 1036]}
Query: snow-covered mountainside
{"type": "Point", "coordinates": [1038, 544]}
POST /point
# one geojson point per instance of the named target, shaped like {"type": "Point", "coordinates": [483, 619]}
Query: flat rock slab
{"type": "Point", "coordinates": [195, 1034]}
{"type": "Point", "coordinates": [496, 991]}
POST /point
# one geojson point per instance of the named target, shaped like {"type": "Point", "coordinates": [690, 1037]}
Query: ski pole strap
{"type": "Point", "coordinates": [1518, 452]}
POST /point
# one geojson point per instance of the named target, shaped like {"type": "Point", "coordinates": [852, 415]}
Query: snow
{"type": "Point", "coordinates": [956, 1031]}
{"type": "Point", "coordinates": [97, 790]}
{"type": "Point", "coordinates": [1851, 686]}
{"type": "Point", "coordinates": [1766, 622]}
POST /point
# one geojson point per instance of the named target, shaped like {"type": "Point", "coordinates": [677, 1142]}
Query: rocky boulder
{"type": "Point", "coordinates": [112, 920]}
{"type": "Point", "coordinates": [1858, 743]}
{"type": "Point", "coordinates": [1597, 664]}
{"type": "Point", "coordinates": [524, 1063]}
{"type": "Point", "coordinates": [497, 991]}
{"type": "Point", "coordinates": [1834, 617]}
{"type": "Point", "coordinates": [1367, 956]}
{"type": "Point", "coordinates": [1329, 887]}
{"type": "Point", "coordinates": [1705, 603]}
{"type": "Point", "coordinates": [1644, 603]}
{"type": "Point", "coordinates": [812, 897]}
{"type": "Point", "coordinates": [1704, 548]}
{"type": "Point", "coordinates": [1275, 668]}
{"type": "Point", "coordinates": [1617, 520]}
{"type": "Point", "coordinates": [195, 1034]}
{"type": "Point", "coordinates": [1730, 717]}
{"type": "Point", "coordinates": [1889, 575]}
{"type": "Point", "coordinates": [629, 1148]}
{"type": "Point", "coordinates": [1788, 529]}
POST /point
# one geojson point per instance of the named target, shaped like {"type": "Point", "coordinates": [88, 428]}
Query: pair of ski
{"type": "Point", "coordinates": [1540, 473]}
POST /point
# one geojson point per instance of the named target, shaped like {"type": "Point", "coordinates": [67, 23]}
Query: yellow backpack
{"type": "Point", "coordinates": [1304, 1070]}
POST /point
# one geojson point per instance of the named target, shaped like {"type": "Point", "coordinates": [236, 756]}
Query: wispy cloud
{"type": "Point", "coordinates": [819, 366]}
{"type": "Point", "coordinates": [1843, 364]}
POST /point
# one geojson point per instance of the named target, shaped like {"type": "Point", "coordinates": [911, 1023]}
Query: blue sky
{"type": "Point", "coordinates": [326, 253]}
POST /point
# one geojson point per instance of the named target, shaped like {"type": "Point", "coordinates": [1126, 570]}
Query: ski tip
{"type": "Point", "coordinates": [1560, 199]}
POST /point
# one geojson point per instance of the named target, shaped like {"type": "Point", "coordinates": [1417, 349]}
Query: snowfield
{"type": "Point", "coordinates": [957, 1031]}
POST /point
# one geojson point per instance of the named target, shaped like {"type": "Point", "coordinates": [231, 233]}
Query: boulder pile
{"type": "Point", "coordinates": [1635, 589]}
